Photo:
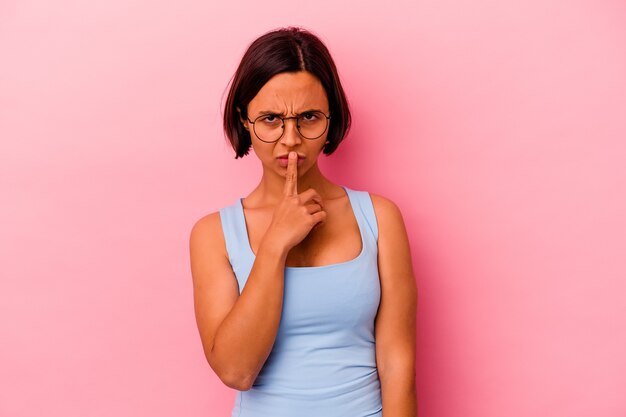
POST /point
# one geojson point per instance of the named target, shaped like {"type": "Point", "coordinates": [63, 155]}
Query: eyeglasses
{"type": "Point", "coordinates": [271, 127]}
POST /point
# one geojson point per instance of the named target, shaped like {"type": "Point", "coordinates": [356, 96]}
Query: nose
{"type": "Point", "coordinates": [291, 135]}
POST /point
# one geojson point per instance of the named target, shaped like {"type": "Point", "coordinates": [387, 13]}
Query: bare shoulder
{"type": "Point", "coordinates": [207, 249]}
{"type": "Point", "coordinates": [387, 212]}
{"type": "Point", "coordinates": [207, 235]}
{"type": "Point", "coordinates": [208, 222]}
{"type": "Point", "coordinates": [393, 239]}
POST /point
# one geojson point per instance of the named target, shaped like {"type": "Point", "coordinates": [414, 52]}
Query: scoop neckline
{"type": "Point", "coordinates": [303, 268]}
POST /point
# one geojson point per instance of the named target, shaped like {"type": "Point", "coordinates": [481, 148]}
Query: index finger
{"type": "Point", "coordinates": [291, 178]}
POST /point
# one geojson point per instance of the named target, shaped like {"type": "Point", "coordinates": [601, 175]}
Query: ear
{"type": "Point", "coordinates": [244, 122]}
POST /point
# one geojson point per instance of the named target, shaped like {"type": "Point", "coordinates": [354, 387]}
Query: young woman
{"type": "Point", "coordinates": [304, 293]}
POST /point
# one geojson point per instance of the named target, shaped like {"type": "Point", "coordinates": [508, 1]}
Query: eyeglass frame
{"type": "Point", "coordinates": [282, 119]}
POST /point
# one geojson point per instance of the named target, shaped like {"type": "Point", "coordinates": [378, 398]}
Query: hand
{"type": "Point", "coordinates": [296, 214]}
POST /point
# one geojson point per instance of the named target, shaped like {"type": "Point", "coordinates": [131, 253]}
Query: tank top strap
{"type": "Point", "coordinates": [235, 235]}
{"type": "Point", "coordinates": [364, 211]}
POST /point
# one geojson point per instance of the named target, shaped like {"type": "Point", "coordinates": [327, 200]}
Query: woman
{"type": "Point", "coordinates": [304, 291]}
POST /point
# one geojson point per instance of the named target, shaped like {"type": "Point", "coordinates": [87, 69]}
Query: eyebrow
{"type": "Point", "coordinates": [283, 114]}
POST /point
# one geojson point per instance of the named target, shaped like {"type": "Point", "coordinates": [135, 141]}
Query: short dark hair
{"type": "Point", "coordinates": [289, 49]}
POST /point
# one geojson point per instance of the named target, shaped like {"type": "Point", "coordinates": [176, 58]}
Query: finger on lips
{"type": "Point", "coordinates": [291, 178]}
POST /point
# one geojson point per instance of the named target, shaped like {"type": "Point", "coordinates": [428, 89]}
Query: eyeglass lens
{"type": "Point", "coordinates": [270, 127]}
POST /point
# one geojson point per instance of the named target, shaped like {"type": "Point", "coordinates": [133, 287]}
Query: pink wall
{"type": "Point", "coordinates": [497, 127]}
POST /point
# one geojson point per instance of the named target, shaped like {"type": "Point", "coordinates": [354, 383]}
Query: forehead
{"type": "Point", "coordinates": [290, 91]}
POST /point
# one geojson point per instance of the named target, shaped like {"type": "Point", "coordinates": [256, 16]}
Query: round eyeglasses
{"type": "Point", "coordinates": [271, 127]}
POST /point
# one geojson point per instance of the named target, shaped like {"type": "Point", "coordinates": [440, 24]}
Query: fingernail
{"type": "Point", "coordinates": [292, 154]}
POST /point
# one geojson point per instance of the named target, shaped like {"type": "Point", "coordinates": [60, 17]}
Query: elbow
{"type": "Point", "coordinates": [232, 375]}
{"type": "Point", "coordinates": [237, 381]}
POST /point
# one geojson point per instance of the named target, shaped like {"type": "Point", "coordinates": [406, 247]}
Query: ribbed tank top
{"type": "Point", "coordinates": [323, 361]}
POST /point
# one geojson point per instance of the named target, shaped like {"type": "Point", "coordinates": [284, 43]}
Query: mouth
{"type": "Point", "coordinates": [285, 156]}
{"type": "Point", "coordinates": [283, 160]}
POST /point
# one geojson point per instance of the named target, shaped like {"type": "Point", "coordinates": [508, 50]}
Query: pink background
{"type": "Point", "coordinates": [498, 128]}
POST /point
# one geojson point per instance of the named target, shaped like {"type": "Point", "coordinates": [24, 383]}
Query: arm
{"type": "Point", "coordinates": [237, 331]}
{"type": "Point", "coordinates": [395, 321]}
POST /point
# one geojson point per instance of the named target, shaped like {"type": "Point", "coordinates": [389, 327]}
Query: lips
{"type": "Point", "coordinates": [283, 160]}
{"type": "Point", "coordinates": [286, 156]}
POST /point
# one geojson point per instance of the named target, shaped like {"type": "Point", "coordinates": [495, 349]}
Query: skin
{"type": "Point", "coordinates": [297, 217]}
{"type": "Point", "coordinates": [288, 93]}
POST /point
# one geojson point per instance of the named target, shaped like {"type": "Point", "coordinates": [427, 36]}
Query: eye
{"type": "Point", "coordinates": [269, 119]}
{"type": "Point", "coordinates": [308, 116]}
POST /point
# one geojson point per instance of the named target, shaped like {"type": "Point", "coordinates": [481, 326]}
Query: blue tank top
{"type": "Point", "coordinates": [323, 361]}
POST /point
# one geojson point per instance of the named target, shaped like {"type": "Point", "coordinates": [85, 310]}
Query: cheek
{"type": "Point", "coordinates": [264, 153]}
{"type": "Point", "coordinates": [258, 149]}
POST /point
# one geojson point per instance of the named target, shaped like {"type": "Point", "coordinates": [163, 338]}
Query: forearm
{"type": "Point", "coordinates": [245, 338]}
{"type": "Point", "coordinates": [398, 393]}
